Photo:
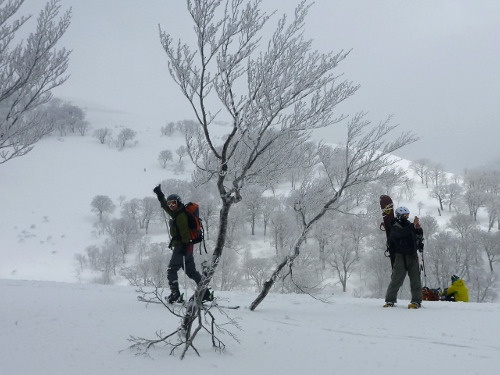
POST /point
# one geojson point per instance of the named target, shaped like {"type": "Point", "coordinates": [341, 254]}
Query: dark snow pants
{"type": "Point", "coordinates": [177, 262]}
{"type": "Point", "coordinates": [403, 265]}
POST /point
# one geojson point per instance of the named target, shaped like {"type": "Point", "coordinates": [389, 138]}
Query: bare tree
{"type": "Point", "coordinates": [109, 258]}
{"type": "Point", "coordinates": [484, 180]}
{"type": "Point", "coordinates": [393, 178]}
{"type": "Point", "coordinates": [322, 235]}
{"type": "Point", "coordinates": [103, 134]}
{"type": "Point", "coordinates": [92, 252]}
{"type": "Point", "coordinates": [406, 189]}
{"type": "Point", "coordinates": [149, 210]}
{"type": "Point", "coordinates": [420, 206]}
{"type": "Point", "coordinates": [58, 115]}
{"type": "Point", "coordinates": [82, 126]}
{"type": "Point", "coordinates": [482, 286]}
{"type": "Point", "coordinates": [421, 168]}
{"type": "Point", "coordinates": [469, 233]}
{"type": "Point", "coordinates": [305, 155]}
{"type": "Point", "coordinates": [229, 275]}
{"type": "Point", "coordinates": [141, 211]}
{"type": "Point", "coordinates": [452, 192]}
{"type": "Point", "coordinates": [282, 227]}
{"type": "Point", "coordinates": [490, 243]}
{"type": "Point", "coordinates": [343, 251]}
{"type": "Point", "coordinates": [482, 185]}
{"type": "Point", "coordinates": [168, 129]}
{"type": "Point", "coordinates": [102, 204]}
{"type": "Point", "coordinates": [462, 224]}
{"type": "Point", "coordinates": [125, 135]}
{"type": "Point", "coordinates": [257, 270]}
{"type": "Point", "coordinates": [164, 157]}
{"type": "Point", "coordinates": [28, 73]}
{"type": "Point", "coordinates": [68, 117]}
{"type": "Point", "coordinates": [123, 232]}
{"type": "Point", "coordinates": [443, 257]}
{"type": "Point", "coordinates": [82, 260]}
{"type": "Point", "coordinates": [132, 210]}
{"type": "Point", "coordinates": [254, 205]}
{"type": "Point", "coordinates": [439, 192]}
{"type": "Point", "coordinates": [492, 204]}
{"type": "Point", "coordinates": [376, 269]}
{"type": "Point", "coordinates": [437, 174]}
{"type": "Point", "coordinates": [104, 259]}
{"type": "Point", "coordinates": [152, 265]}
{"type": "Point", "coordinates": [431, 226]}
{"type": "Point", "coordinates": [274, 95]}
{"type": "Point", "coordinates": [269, 203]}
{"type": "Point", "coordinates": [181, 152]}
{"type": "Point", "coordinates": [474, 199]}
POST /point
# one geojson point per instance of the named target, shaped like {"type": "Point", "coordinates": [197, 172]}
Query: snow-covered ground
{"type": "Point", "coordinates": [50, 328]}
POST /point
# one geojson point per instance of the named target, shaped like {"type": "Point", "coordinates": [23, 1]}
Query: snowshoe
{"type": "Point", "coordinates": [175, 297]}
{"type": "Point", "coordinates": [208, 296]}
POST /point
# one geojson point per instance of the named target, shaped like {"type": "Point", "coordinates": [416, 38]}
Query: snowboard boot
{"type": "Point", "coordinates": [208, 296]}
{"type": "Point", "coordinates": [175, 295]}
{"type": "Point", "coordinates": [389, 304]}
{"type": "Point", "coordinates": [414, 305]}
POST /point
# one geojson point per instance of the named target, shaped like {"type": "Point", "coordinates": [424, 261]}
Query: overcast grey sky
{"type": "Point", "coordinates": [433, 64]}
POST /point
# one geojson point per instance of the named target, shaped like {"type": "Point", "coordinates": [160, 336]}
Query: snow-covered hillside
{"type": "Point", "coordinates": [50, 328]}
{"type": "Point", "coordinates": [53, 324]}
{"type": "Point", "coordinates": [46, 217]}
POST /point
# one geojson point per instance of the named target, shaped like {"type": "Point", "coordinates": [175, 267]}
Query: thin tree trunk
{"type": "Point", "coordinates": [290, 258]}
{"type": "Point", "coordinates": [270, 282]}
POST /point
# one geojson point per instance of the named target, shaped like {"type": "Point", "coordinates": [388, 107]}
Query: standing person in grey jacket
{"type": "Point", "coordinates": [402, 245]}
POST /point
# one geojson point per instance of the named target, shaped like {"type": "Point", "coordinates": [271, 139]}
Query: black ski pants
{"type": "Point", "coordinates": [177, 262]}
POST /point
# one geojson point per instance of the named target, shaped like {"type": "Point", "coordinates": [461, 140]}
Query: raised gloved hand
{"type": "Point", "coordinates": [159, 193]}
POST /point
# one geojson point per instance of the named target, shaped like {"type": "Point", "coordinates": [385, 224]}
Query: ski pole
{"type": "Point", "coordinates": [185, 279]}
{"type": "Point", "coordinates": [423, 269]}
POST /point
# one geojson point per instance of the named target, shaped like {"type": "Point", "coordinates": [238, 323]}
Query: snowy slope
{"type": "Point", "coordinates": [50, 328]}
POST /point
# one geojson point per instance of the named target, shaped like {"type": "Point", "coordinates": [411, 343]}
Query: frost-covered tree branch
{"type": "Point", "coordinates": [206, 322]}
{"type": "Point", "coordinates": [28, 72]}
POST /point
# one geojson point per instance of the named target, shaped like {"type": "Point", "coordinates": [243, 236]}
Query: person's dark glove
{"type": "Point", "coordinates": [159, 193]}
